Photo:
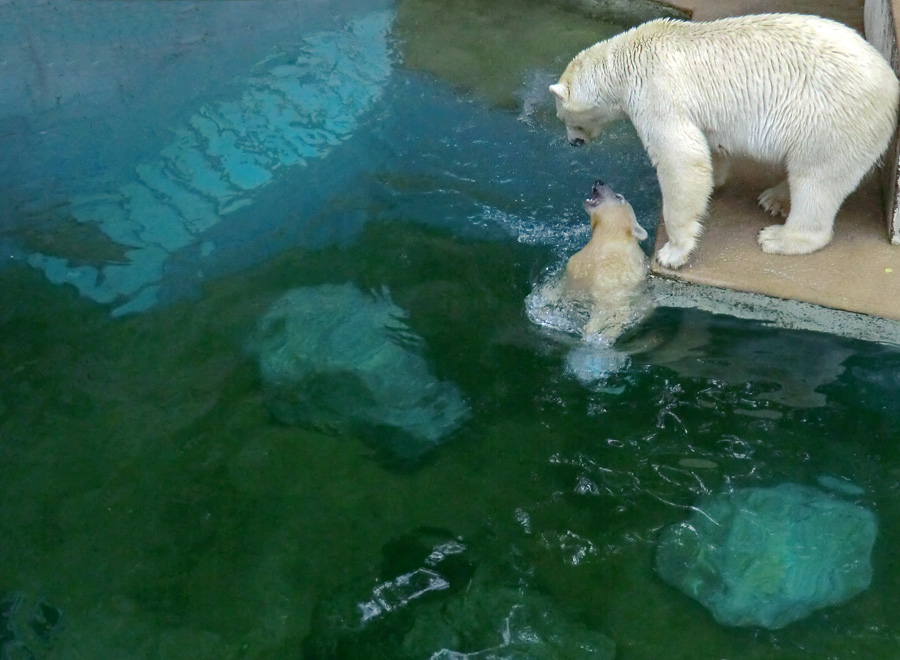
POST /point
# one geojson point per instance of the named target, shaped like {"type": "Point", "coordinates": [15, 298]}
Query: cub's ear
{"type": "Point", "coordinates": [560, 91]}
{"type": "Point", "coordinates": [639, 232]}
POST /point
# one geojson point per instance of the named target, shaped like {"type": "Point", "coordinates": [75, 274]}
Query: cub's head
{"type": "Point", "coordinates": [586, 95]}
{"type": "Point", "coordinates": [611, 213]}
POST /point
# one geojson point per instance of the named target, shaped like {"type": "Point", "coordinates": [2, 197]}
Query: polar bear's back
{"type": "Point", "coordinates": [778, 77]}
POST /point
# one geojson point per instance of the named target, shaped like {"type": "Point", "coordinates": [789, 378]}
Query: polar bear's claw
{"type": "Point", "coordinates": [776, 200]}
{"type": "Point", "coordinates": [670, 256]}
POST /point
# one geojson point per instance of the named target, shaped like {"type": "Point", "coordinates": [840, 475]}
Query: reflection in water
{"type": "Point", "coordinates": [299, 110]}
{"type": "Point", "coordinates": [798, 364]}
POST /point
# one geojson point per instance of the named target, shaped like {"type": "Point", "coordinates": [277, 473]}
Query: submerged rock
{"type": "Point", "coordinates": [25, 624]}
{"type": "Point", "coordinates": [769, 556]}
{"type": "Point", "coordinates": [339, 360]}
{"type": "Point", "coordinates": [438, 604]}
{"type": "Point", "coordinates": [516, 625]}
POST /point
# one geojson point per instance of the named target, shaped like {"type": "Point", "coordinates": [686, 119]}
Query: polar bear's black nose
{"type": "Point", "coordinates": [597, 187]}
{"type": "Point", "coordinates": [576, 142]}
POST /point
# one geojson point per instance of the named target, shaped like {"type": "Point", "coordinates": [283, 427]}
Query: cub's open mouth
{"type": "Point", "coordinates": [597, 193]}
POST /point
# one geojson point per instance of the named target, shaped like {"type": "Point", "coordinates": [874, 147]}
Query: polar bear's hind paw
{"type": "Point", "coordinates": [779, 239]}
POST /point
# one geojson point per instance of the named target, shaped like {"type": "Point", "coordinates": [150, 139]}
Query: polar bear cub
{"type": "Point", "coordinates": [803, 92]}
{"type": "Point", "coordinates": [609, 271]}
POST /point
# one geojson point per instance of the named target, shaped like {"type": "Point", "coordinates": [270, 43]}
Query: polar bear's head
{"type": "Point", "coordinates": [586, 95]}
{"type": "Point", "coordinates": [610, 210]}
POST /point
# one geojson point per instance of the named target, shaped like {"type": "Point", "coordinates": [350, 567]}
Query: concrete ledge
{"type": "Point", "coordinates": [789, 314]}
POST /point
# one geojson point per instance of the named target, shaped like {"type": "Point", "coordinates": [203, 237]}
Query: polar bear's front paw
{"type": "Point", "coordinates": [672, 256]}
{"type": "Point", "coordinates": [776, 200]}
{"type": "Point", "coordinates": [780, 239]}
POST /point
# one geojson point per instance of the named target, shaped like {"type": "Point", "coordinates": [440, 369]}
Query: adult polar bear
{"type": "Point", "coordinates": [800, 91]}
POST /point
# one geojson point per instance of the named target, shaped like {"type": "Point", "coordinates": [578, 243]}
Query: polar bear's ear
{"type": "Point", "coordinates": [639, 232]}
{"type": "Point", "coordinates": [560, 91]}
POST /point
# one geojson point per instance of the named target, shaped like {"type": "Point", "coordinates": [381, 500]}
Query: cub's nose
{"type": "Point", "coordinates": [576, 142]}
{"type": "Point", "coordinates": [598, 185]}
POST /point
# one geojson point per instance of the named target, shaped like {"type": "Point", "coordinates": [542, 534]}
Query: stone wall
{"type": "Point", "coordinates": [881, 31]}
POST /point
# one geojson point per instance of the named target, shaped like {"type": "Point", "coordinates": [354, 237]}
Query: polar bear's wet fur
{"type": "Point", "coordinates": [608, 273]}
{"type": "Point", "coordinates": [803, 92]}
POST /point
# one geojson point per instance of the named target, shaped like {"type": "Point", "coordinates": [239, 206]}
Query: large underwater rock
{"type": "Point", "coordinates": [340, 360]}
{"type": "Point", "coordinates": [769, 556]}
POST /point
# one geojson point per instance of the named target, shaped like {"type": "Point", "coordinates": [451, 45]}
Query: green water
{"type": "Point", "coordinates": [150, 506]}
{"type": "Point", "coordinates": [147, 494]}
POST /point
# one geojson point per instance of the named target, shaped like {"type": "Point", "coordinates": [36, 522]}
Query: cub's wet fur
{"type": "Point", "coordinates": [609, 273]}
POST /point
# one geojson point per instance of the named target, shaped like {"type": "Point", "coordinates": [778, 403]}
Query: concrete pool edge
{"type": "Point", "coordinates": [780, 312]}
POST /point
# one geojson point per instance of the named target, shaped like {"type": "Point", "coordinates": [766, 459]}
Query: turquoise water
{"type": "Point", "coordinates": [153, 503]}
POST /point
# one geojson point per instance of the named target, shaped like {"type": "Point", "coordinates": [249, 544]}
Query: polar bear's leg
{"type": "Point", "coordinates": [814, 202]}
{"type": "Point", "coordinates": [777, 199]}
{"type": "Point", "coordinates": [685, 171]}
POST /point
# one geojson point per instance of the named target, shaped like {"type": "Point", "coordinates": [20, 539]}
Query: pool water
{"type": "Point", "coordinates": [198, 161]}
